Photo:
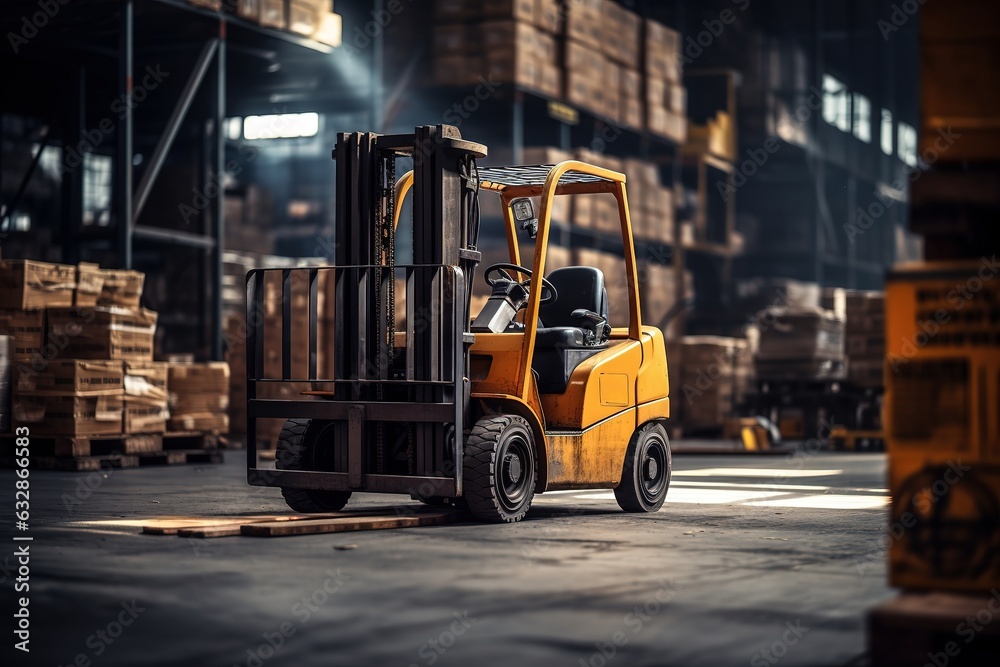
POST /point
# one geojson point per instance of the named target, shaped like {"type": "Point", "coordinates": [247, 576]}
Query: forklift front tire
{"type": "Point", "coordinates": [646, 472]}
{"type": "Point", "coordinates": [297, 451]}
{"type": "Point", "coordinates": [500, 469]}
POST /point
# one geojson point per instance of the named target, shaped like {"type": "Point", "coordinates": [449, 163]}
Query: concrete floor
{"type": "Point", "coordinates": [750, 554]}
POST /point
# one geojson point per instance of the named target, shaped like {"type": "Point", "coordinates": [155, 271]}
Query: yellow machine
{"type": "Point", "coordinates": [942, 419]}
{"type": "Point", "coordinates": [555, 398]}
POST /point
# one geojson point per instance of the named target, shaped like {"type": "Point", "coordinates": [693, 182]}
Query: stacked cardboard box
{"type": "Point", "coordinates": [146, 405]}
{"type": "Point", "coordinates": [507, 42]}
{"type": "Point", "coordinates": [666, 97]}
{"type": "Point", "coordinates": [101, 332]}
{"type": "Point", "coordinates": [311, 18]}
{"type": "Point", "coordinates": [714, 371]}
{"type": "Point", "coordinates": [865, 341]}
{"type": "Point", "coordinates": [198, 397]}
{"type": "Point", "coordinates": [804, 345]}
{"type": "Point", "coordinates": [71, 397]}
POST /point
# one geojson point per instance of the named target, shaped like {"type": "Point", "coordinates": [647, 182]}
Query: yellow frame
{"type": "Point", "coordinates": [614, 184]}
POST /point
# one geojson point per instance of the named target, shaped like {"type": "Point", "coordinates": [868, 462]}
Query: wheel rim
{"type": "Point", "coordinates": [653, 470]}
{"type": "Point", "coordinates": [515, 472]}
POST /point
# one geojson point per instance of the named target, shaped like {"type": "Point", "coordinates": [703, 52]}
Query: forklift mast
{"type": "Point", "coordinates": [398, 400]}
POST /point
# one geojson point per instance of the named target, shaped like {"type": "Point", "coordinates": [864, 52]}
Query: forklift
{"type": "Point", "coordinates": [535, 393]}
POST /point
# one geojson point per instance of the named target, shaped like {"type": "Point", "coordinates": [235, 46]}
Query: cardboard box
{"type": "Point", "coordinates": [207, 422]}
{"type": "Point", "coordinates": [460, 70]}
{"type": "Point", "coordinates": [549, 16]}
{"type": "Point", "coordinates": [121, 288]}
{"type": "Point", "coordinates": [248, 9]}
{"type": "Point", "coordinates": [304, 16]}
{"type": "Point", "coordinates": [82, 377]}
{"type": "Point", "coordinates": [198, 388]}
{"type": "Point", "coordinates": [584, 22]}
{"type": "Point", "coordinates": [26, 284]}
{"type": "Point", "coordinates": [272, 14]}
{"type": "Point", "coordinates": [146, 379]}
{"type": "Point", "coordinates": [143, 415]}
{"type": "Point", "coordinates": [69, 415]}
{"type": "Point", "coordinates": [103, 332]}
{"type": "Point", "coordinates": [621, 34]}
{"type": "Point", "coordinates": [662, 54]}
{"type": "Point", "coordinates": [521, 10]}
{"type": "Point", "coordinates": [331, 30]}
{"type": "Point", "coordinates": [89, 284]}
{"type": "Point", "coordinates": [27, 328]}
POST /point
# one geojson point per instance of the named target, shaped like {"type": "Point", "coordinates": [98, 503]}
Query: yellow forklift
{"type": "Point", "coordinates": [536, 393]}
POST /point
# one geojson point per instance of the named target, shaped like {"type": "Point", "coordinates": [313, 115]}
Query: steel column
{"type": "Point", "coordinates": [173, 126]}
{"type": "Point", "coordinates": [219, 218]}
{"type": "Point", "coordinates": [123, 163]}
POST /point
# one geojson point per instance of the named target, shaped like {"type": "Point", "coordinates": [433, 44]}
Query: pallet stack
{"type": "Point", "coordinates": [498, 42]}
{"type": "Point", "coordinates": [710, 376]}
{"type": "Point", "coordinates": [804, 345]}
{"type": "Point", "coordinates": [309, 18]}
{"type": "Point", "coordinates": [85, 383]}
{"type": "Point", "coordinates": [865, 339]}
{"type": "Point", "coordinates": [595, 54]}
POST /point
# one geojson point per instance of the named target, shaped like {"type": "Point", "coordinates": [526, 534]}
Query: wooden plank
{"type": "Point", "coordinates": [349, 524]}
{"type": "Point", "coordinates": [174, 526]}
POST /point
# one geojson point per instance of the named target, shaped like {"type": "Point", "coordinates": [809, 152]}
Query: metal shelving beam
{"type": "Point", "coordinates": [123, 165]}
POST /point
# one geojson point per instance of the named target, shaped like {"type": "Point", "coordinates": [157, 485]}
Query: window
{"type": "Point", "coordinates": [281, 126]}
{"type": "Point", "coordinates": [908, 144]}
{"type": "Point", "coordinates": [862, 118]}
{"type": "Point", "coordinates": [836, 103]}
{"type": "Point", "coordinates": [96, 189]}
{"type": "Point", "coordinates": [886, 133]}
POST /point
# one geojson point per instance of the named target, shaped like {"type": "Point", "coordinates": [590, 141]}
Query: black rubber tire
{"type": "Point", "coordinates": [646, 471]}
{"type": "Point", "coordinates": [500, 470]}
{"type": "Point", "coordinates": [295, 452]}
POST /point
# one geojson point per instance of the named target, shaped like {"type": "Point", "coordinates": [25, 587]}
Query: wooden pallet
{"type": "Point", "coordinates": [935, 628]}
{"type": "Point", "coordinates": [180, 457]}
{"type": "Point", "coordinates": [75, 463]}
{"type": "Point", "coordinates": [286, 525]}
{"type": "Point", "coordinates": [190, 440]}
{"type": "Point", "coordinates": [66, 446]}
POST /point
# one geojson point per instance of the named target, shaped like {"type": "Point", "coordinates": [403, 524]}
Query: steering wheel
{"type": "Point", "coordinates": [502, 269]}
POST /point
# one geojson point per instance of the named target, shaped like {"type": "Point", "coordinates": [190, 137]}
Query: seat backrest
{"type": "Point", "coordinates": [579, 287]}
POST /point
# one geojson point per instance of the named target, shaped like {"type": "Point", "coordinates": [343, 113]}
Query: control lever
{"type": "Point", "coordinates": [597, 327]}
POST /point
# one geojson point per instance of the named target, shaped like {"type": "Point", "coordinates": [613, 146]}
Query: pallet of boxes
{"type": "Point", "coordinates": [498, 42]}
{"type": "Point", "coordinates": [799, 362]}
{"type": "Point", "coordinates": [85, 386]}
{"type": "Point", "coordinates": [710, 377]}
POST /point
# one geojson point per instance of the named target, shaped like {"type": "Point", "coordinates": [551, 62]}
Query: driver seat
{"type": "Point", "coordinates": [560, 342]}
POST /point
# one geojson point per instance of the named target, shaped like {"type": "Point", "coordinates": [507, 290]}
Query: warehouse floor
{"type": "Point", "coordinates": [750, 554]}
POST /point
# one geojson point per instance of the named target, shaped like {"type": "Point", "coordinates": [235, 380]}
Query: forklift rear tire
{"type": "Point", "coordinates": [297, 451]}
{"type": "Point", "coordinates": [499, 469]}
{"type": "Point", "coordinates": [646, 473]}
